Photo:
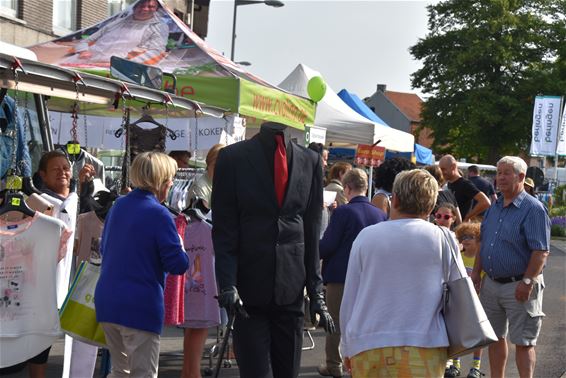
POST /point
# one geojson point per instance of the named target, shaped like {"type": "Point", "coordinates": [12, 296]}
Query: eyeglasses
{"type": "Point", "coordinates": [439, 216]}
{"type": "Point", "coordinates": [467, 237]}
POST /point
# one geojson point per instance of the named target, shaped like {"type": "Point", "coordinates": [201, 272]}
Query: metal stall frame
{"type": "Point", "coordinates": [44, 79]}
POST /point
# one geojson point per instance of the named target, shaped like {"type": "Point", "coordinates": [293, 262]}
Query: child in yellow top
{"type": "Point", "coordinates": [468, 234]}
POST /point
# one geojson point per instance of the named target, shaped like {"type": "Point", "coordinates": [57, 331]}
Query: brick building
{"type": "Point", "coordinates": [27, 22]}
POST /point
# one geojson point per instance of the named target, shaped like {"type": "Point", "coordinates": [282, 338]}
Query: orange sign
{"type": "Point", "coordinates": [370, 156]}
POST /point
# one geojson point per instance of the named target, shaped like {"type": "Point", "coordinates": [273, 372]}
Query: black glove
{"type": "Point", "coordinates": [229, 298]}
{"type": "Point", "coordinates": [318, 307]}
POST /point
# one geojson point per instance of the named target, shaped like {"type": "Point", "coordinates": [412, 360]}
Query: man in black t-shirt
{"type": "Point", "coordinates": [463, 189]}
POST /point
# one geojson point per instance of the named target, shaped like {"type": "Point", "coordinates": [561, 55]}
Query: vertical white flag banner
{"type": "Point", "coordinates": [546, 116]}
{"type": "Point", "coordinates": [561, 148]}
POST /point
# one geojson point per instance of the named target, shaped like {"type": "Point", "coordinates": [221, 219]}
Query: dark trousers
{"type": "Point", "coordinates": [269, 342]}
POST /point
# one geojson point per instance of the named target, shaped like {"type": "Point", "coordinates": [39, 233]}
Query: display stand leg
{"type": "Point", "coordinates": [105, 363]}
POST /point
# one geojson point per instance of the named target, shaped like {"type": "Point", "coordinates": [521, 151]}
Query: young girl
{"type": "Point", "coordinates": [468, 234]}
{"type": "Point", "coordinates": [445, 215]}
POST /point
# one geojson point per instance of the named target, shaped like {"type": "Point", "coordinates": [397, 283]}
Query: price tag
{"type": "Point", "coordinates": [14, 182]}
{"type": "Point", "coordinates": [73, 148]}
{"type": "Point", "coordinates": [16, 201]}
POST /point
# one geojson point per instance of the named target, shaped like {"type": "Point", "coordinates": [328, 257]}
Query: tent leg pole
{"type": "Point", "coordinates": [370, 182]}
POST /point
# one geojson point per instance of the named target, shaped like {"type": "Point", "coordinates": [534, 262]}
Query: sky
{"type": "Point", "coordinates": [353, 44]}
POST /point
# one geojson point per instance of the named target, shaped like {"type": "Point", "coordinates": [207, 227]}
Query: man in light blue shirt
{"type": "Point", "coordinates": [515, 242]}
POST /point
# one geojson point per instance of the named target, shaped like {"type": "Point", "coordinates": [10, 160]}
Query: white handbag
{"type": "Point", "coordinates": [466, 322]}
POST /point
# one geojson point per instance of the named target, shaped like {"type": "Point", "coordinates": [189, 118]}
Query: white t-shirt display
{"type": "Point", "coordinates": [29, 252]}
{"type": "Point", "coordinates": [67, 212]}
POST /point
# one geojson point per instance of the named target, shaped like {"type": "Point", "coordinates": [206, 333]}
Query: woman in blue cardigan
{"type": "Point", "coordinates": [139, 245]}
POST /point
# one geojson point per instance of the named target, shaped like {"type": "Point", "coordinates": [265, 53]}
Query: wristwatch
{"type": "Point", "coordinates": [527, 281]}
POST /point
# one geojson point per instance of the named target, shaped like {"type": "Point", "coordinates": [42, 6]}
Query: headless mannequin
{"type": "Point", "coordinates": [269, 273]}
{"type": "Point", "coordinates": [266, 136]}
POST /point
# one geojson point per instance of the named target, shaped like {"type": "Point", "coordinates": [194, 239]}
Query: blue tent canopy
{"type": "Point", "coordinates": [359, 106]}
{"type": "Point", "coordinates": [395, 154]}
{"type": "Point", "coordinates": [423, 155]}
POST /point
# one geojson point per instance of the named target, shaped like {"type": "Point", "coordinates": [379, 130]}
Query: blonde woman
{"type": "Point", "coordinates": [390, 313]}
{"type": "Point", "coordinates": [139, 245]}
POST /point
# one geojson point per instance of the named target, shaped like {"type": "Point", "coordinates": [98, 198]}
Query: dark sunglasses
{"type": "Point", "coordinates": [467, 237]}
{"type": "Point", "coordinates": [446, 216]}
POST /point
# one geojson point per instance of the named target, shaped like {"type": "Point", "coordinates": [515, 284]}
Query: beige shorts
{"type": "Point", "coordinates": [522, 319]}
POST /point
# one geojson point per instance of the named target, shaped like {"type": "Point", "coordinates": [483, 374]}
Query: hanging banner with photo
{"type": "Point", "coordinates": [546, 117]}
{"type": "Point", "coordinates": [561, 148]}
{"type": "Point", "coordinates": [148, 32]}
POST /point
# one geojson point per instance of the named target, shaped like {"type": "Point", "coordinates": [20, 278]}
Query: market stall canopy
{"type": "Point", "coordinates": [50, 80]}
{"type": "Point", "coordinates": [421, 154]}
{"type": "Point", "coordinates": [356, 103]}
{"type": "Point", "coordinates": [163, 40]}
{"type": "Point", "coordinates": [343, 124]}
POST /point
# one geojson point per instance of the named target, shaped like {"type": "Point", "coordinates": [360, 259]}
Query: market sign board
{"type": "Point", "coordinates": [370, 156]}
{"type": "Point", "coordinates": [274, 105]}
{"type": "Point", "coordinates": [315, 134]}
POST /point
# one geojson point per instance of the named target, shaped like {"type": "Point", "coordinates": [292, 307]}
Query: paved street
{"type": "Point", "coordinates": [551, 351]}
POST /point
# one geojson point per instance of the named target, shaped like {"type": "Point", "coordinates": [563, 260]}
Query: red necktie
{"type": "Point", "coordinates": [280, 172]}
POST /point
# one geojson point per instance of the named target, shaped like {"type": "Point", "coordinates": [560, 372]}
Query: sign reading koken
{"type": "Point", "coordinates": [191, 133]}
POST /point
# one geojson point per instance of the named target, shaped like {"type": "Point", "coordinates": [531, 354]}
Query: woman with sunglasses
{"type": "Point", "coordinates": [445, 215]}
{"type": "Point", "coordinates": [444, 195]}
{"type": "Point", "coordinates": [468, 235]}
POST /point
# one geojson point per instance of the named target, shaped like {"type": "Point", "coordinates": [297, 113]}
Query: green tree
{"type": "Point", "coordinates": [484, 61]}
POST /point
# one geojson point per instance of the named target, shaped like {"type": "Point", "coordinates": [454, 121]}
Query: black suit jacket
{"type": "Point", "coordinates": [268, 253]}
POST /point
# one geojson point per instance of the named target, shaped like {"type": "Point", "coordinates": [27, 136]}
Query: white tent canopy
{"type": "Point", "coordinates": [342, 123]}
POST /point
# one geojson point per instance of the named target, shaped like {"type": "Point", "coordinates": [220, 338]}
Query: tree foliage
{"type": "Point", "coordinates": [484, 61]}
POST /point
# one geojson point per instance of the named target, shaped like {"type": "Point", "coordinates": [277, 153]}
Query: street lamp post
{"type": "Point", "coordinates": [271, 3]}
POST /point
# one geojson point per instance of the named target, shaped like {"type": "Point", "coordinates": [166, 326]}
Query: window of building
{"type": "Point", "coordinates": [9, 7]}
{"type": "Point", "coordinates": [64, 16]}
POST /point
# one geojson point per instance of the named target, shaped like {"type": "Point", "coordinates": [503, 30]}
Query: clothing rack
{"type": "Point", "coordinates": [180, 171]}
{"type": "Point", "coordinates": [113, 168]}
{"type": "Point", "coordinates": [184, 177]}
{"type": "Point", "coordinates": [184, 173]}
{"type": "Point", "coordinates": [112, 179]}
